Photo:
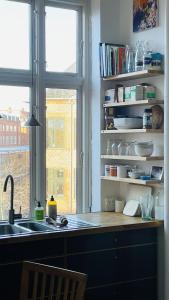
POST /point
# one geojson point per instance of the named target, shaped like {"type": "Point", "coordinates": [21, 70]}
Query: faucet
{"type": "Point", "coordinates": [11, 210]}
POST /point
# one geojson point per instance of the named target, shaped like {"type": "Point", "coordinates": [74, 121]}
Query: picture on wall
{"type": "Point", "coordinates": [145, 14]}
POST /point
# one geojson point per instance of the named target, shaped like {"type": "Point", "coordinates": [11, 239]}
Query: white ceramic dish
{"type": "Point", "coordinates": [128, 123]}
{"type": "Point", "coordinates": [135, 174]}
{"type": "Point", "coordinates": [143, 148]}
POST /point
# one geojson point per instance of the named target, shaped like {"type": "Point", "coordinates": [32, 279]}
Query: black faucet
{"type": "Point", "coordinates": [11, 210]}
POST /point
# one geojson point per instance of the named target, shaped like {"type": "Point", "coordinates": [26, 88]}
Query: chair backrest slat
{"type": "Point", "coordinates": [59, 288]}
{"type": "Point", "coordinates": [42, 292]}
{"type": "Point", "coordinates": [49, 283]}
{"type": "Point", "coordinates": [35, 285]}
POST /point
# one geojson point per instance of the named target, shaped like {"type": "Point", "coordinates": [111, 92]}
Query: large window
{"type": "Point", "coordinates": [41, 74]}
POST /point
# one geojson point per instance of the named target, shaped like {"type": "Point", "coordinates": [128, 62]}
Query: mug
{"type": "Point", "coordinates": [122, 171]}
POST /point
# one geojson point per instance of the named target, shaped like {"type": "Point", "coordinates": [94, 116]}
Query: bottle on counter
{"type": "Point", "coordinates": [39, 212]}
{"type": "Point", "coordinates": [52, 208]}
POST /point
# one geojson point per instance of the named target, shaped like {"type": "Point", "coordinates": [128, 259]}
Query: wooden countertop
{"type": "Point", "coordinates": [104, 221]}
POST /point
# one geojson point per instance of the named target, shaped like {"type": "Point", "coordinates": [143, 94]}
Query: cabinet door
{"type": "Point", "coordinates": [137, 237]}
{"type": "Point", "coordinates": [92, 242]}
{"type": "Point", "coordinates": [52, 261]}
{"type": "Point", "coordinates": [136, 262]}
{"type": "Point", "coordinates": [10, 281]}
{"type": "Point", "coordinates": [99, 266]}
{"type": "Point", "coordinates": [140, 290]}
{"type": "Point", "coordinates": [31, 250]}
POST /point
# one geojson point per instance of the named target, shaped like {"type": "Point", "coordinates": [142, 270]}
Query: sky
{"type": "Point", "coordinates": [15, 36]}
{"type": "Point", "coordinates": [15, 43]}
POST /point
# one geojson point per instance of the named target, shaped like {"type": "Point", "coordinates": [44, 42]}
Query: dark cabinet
{"type": "Point", "coordinates": [120, 265]}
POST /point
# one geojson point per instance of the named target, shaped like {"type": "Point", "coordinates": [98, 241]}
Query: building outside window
{"type": "Point", "coordinates": [43, 74]}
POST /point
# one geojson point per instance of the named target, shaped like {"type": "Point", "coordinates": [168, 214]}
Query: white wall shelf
{"type": "Point", "coordinates": [132, 131]}
{"type": "Point", "coordinates": [134, 103]}
{"type": "Point", "coordinates": [131, 180]}
{"type": "Point", "coordinates": [126, 157]}
{"type": "Point", "coordinates": [135, 75]}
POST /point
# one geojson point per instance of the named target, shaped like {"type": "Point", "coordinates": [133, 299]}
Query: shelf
{"type": "Point", "coordinates": [131, 180]}
{"type": "Point", "coordinates": [135, 103]}
{"type": "Point", "coordinates": [135, 75]}
{"type": "Point", "coordinates": [114, 131]}
{"type": "Point", "coordinates": [126, 157]}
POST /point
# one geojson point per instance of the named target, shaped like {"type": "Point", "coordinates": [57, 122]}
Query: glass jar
{"type": "Point", "coordinates": [123, 148]}
{"type": "Point", "coordinates": [147, 118]}
{"type": "Point", "coordinates": [130, 59]}
{"type": "Point", "coordinates": [114, 148]}
{"type": "Point", "coordinates": [139, 56]}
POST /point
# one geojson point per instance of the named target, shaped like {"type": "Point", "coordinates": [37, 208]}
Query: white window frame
{"type": "Point", "coordinates": [37, 79]}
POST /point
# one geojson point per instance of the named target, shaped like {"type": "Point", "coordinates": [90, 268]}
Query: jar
{"type": "Point", "coordinates": [107, 170]}
{"type": "Point", "coordinates": [123, 148]}
{"type": "Point", "coordinates": [114, 148]}
{"type": "Point", "coordinates": [113, 171]}
{"type": "Point", "coordinates": [147, 118]}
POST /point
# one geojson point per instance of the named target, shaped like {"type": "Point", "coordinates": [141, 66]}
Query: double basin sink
{"type": "Point", "coordinates": [29, 227]}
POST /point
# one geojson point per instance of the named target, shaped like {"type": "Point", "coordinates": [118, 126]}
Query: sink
{"type": "Point", "coordinates": [34, 226]}
{"type": "Point", "coordinates": [8, 229]}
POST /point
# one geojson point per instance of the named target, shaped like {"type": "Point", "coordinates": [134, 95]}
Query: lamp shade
{"type": "Point", "coordinates": [32, 121]}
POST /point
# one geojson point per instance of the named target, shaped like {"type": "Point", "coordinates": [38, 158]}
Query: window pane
{"type": "Point", "coordinates": [14, 148]}
{"type": "Point", "coordinates": [61, 148]}
{"type": "Point", "coordinates": [61, 39]}
{"type": "Point", "coordinates": [14, 35]}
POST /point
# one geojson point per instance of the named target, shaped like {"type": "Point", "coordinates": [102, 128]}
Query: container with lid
{"type": "Point", "coordinates": [147, 118]}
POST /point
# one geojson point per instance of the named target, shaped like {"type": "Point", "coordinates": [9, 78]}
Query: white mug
{"type": "Point", "coordinates": [119, 205]}
{"type": "Point", "coordinates": [122, 171]}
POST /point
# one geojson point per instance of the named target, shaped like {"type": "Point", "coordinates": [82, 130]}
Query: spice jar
{"type": "Point", "coordinates": [113, 170]}
{"type": "Point", "coordinates": [147, 118]}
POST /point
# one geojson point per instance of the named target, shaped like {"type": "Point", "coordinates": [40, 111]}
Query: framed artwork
{"type": "Point", "coordinates": [145, 14]}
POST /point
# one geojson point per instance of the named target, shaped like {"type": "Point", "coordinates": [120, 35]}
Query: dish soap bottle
{"type": "Point", "coordinates": [52, 208]}
{"type": "Point", "coordinates": [39, 212]}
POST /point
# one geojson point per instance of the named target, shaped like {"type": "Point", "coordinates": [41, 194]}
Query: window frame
{"type": "Point", "coordinates": [38, 79]}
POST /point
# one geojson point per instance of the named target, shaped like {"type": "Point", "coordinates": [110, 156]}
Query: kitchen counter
{"type": "Point", "coordinates": [118, 254]}
{"type": "Point", "coordinates": [104, 221]}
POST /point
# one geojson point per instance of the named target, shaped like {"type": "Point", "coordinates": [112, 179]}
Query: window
{"type": "Point", "coordinates": [61, 39]}
{"type": "Point", "coordinates": [41, 73]}
{"type": "Point", "coordinates": [61, 115]}
{"type": "Point", "coordinates": [14, 159]}
{"type": "Point", "coordinates": [14, 33]}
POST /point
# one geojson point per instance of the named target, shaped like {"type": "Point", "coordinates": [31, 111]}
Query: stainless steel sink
{"type": "Point", "coordinates": [8, 229]}
{"type": "Point", "coordinates": [34, 226]}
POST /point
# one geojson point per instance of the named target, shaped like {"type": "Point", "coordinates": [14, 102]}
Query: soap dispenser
{"type": "Point", "coordinates": [52, 208]}
{"type": "Point", "coordinates": [39, 212]}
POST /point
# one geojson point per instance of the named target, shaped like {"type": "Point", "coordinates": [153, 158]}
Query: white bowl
{"type": "Point", "coordinates": [143, 149]}
{"type": "Point", "coordinates": [128, 123]}
{"type": "Point", "coordinates": [135, 174]}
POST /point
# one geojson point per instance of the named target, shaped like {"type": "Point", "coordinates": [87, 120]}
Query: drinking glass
{"type": "Point", "coordinates": [146, 204]}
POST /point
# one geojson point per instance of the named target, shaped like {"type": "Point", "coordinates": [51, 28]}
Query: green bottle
{"type": "Point", "coordinates": [39, 212]}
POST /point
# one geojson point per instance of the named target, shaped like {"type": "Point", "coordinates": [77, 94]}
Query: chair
{"type": "Point", "coordinates": [43, 282]}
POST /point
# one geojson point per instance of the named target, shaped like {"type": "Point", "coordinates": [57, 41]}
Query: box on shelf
{"type": "Point", "coordinates": [149, 92]}
{"type": "Point", "coordinates": [136, 92]}
{"type": "Point", "coordinates": [120, 94]}
{"type": "Point", "coordinates": [110, 95]}
{"type": "Point", "coordinates": [127, 93]}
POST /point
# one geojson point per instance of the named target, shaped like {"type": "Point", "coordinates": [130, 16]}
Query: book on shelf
{"type": "Point", "coordinates": [112, 59]}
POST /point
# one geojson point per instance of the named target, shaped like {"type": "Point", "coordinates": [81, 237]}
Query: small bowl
{"type": "Point", "coordinates": [135, 174]}
{"type": "Point", "coordinates": [143, 148]}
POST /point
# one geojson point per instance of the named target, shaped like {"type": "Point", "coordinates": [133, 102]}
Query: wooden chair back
{"type": "Point", "coordinates": [43, 282]}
